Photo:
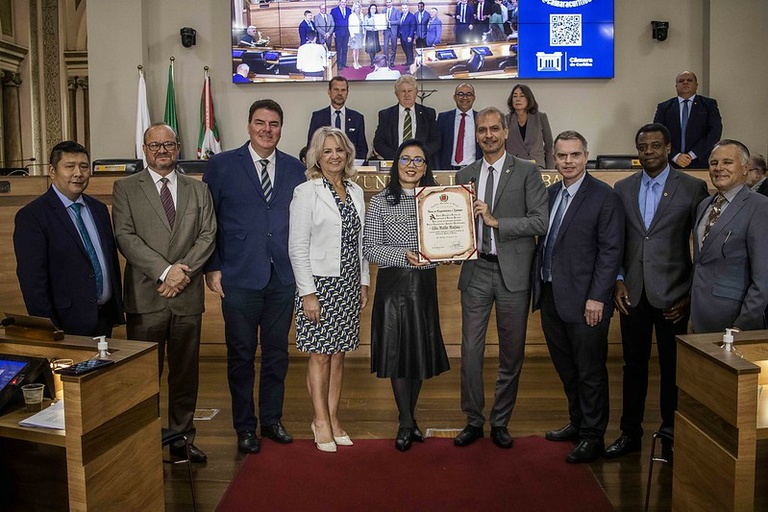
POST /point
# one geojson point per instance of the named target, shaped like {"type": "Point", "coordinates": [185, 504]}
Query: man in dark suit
{"type": "Point", "coordinates": [407, 32]}
{"type": "Point", "coordinates": [340, 15]}
{"type": "Point", "coordinates": [465, 16]}
{"type": "Point", "coordinates": [252, 188]}
{"type": "Point", "coordinates": [349, 121]}
{"type": "Point", "coordinates": [394, 126]}
{"type": "Point", "coordinates": [165, 227]}
{"type": "Point", "coordinates": [756, 175]}
{"type": "Point", "coordinates": [325, 25]}
{"type": "Point", "coordinates": [458, 145]}
{"type": "Point", "coordinates": [422, 21]}
{"type": "Point", "coordinates": [306, 26]}
{"type": "Point", "coordinates": [576, 266]}
{"type": "Point", "coordinates": [653, 290]}
{"type": "Point", "coordinates": [730, 275]}
{"type": "Point", "coordinates": [66, 257]}
{"type": "Point", "coordinates": [482, 16]}
{"type": "Point", "coordinates": [390, 33]}
{"type": "Point", "coordinates": [693, 121]}
{"type": "Point", "coordinates": [511, 210]}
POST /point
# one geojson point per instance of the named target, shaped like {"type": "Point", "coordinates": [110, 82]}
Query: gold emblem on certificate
{"type": "Point", "coordinates": [446, 226]}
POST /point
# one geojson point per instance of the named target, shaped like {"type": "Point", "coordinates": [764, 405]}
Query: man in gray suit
{"type": "Point", "coordinates": [511, 209]}
{"type": "Point", "coordinates": [730, 275]}
{"type": "Point", "coordinates": [391, 32]}
{"type": "Point", "coordinates": [324, 26]}
{"type": "Point", "coordinates": [653, 289]}
{"type": "Point", "coordinates": [165, 226]}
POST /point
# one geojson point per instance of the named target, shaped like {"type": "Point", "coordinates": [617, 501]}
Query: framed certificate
{"type": "Point", "coordinates": [380, 21]}
{"type": "Point", "coordinates": [446, 226]}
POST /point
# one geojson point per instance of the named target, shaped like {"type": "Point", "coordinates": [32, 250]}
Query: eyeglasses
{"type": "Point", "coordinates": [463, 95]}
{"type": "Point", "coordinates": [169, 145]}
{"type": "Point", "coordinates": [416, 161]}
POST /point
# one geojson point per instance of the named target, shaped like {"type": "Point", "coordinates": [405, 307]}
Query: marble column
{"type": "Point", "coordinates": [11, 119]}
{"type": "Point", "coordinates": [82, 82]}
{"type": "Point", "coordinates": [72, 110]}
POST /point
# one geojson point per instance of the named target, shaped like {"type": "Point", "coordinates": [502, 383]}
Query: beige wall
{"type": "Point", "coordinates": [720, 40]}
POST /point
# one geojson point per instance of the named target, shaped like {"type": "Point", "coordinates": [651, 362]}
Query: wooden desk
{"type": "Point", "coordinates": [112, 436]}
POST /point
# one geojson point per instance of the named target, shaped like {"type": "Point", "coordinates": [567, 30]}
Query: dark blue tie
{"type": "Point", "coordinates": [552, 236]}
{"type": "Point", "coordinates": [337, 123]}
{"type": "Point", "coordinates": [89, 248]}
{"type": "Point", "coordinates": [684, 125]}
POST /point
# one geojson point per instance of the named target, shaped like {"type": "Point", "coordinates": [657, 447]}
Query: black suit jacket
{"type": "Point", "coordinates": [763, 189]}
{"type": "Point", "coordinates": [54, 271]}
{"type": "Point", "coordinates": [354, 127]}
{"type": "Point", "coordinates": [386, 139]}
{"type": "Point", "coordinates": [705, 127]}
{"type": "Point", "coordinates": [445, 124]}
{"type": "Point", "coordinates": [587, 253]}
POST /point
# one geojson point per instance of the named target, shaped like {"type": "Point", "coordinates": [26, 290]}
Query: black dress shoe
{"type": "Point", "coordinates": [501, 437]}
{"type": "Point", "coordinates": [567, 433]}
{"type": "Point", "coordinates": [417, 435]}
{"type": "Point", "coordinates": [247, 442]}
{"type": "Point", "coordinates": [667, 452]}
{"type": "Point", "coordinates": [468, 436]}
{"type": "Point", "coordinates": [403, 440]}
{"type": "Point", "coordinates": [586, 451]}
{"type": "Point", "coordinates": [622, 446]}
{"type": "Point", "coordinates": [196, 455]}
{"type": "Point", "coordinates": [277, 433]}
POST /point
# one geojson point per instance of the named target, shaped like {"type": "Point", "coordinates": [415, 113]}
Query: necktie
{"type": "Point", "coordinates": [650, 203]}
{"type": "Point", "coordinates": [337, 122]}
{"type": "Point", "coordinates": [463, 10]}
{"type": "Point", "coordinates": [552, 236]}
{"type": "Point", "coordinates": [402, 19]}
{"type": "Point", "coordinates": [480, 11]}
{"type": "Point", "coordinates": [266, 183]}
{"type": "Point", "coordinates": [89, 249]}
{"type": "Point", "coordinates": [488, 199]}
{"type": "Point", "coordinates": [407, 125]}
{"type": "Point", "coordinates": [167, 199]}
{"type": "Point", "coordinates": [714, 214]}
{"type": "Point", "coordinates": [460, 139]}
{"type": "Point", "coordinates": [684, 125]}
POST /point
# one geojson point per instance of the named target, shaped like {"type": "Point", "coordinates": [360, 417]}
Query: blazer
{"type": "Point", "coordinates": [521, 206]}
{"type": "Point", "coordinates": [150, 244]}
{"type": "Point", "coordinates": [587, 252]}
{"type": "Point", "coordinates": [407, 26]}
{"type": "Point", "coordinates": [658, 259]}
{"type": "Point", "coordinates": [386, 139]}
{"type": "Point", "coordinates": [54, 271]}
{"type": "Point", "coordinates": [324, 27]}
{"type": "Point", "coordinates": [537, 144]}
{"type": "Point", "coordinates": [341, 23]}
{"type": "Point", "coordinates": [304, 28]}
{"type": "Point", "coordinates": [763, 188]}
{"type": "Point", "coordinates": [314, 241]}
{"type": "Point", "coordinates": [252, 233]}
{"type": "Point", "coordinates": [445, 124]}
{"type": "Point", "coordinates": [730, 274]}
{"type": "Point", "coordinates": [434, 31]}
{"type": "Point", "coordinates": [705, 127]}
{"type": "Point", "coordinates": [421, 26]}
{"type": "Point", "coordinates": [354, 127]}
{"type": "Point", "coordinates": [393, 21]}
{"type": "Point", "coordinates": [469, 18]}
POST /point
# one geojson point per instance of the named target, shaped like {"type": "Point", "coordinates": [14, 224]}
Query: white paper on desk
{"type": "Point", "coordinates": [51, 417]}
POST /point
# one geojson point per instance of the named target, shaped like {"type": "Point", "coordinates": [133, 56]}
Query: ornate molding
{"type": "Point", "coordinates": [76, 62]}
{"type": "Point", "coordinates": [52, 74]}
{"type": "Point", "coordinates": [10, 78]}
{"type": "Point", "coordinates": [82, 82]}
{"type": "Point", "coordinates": [11, 55]}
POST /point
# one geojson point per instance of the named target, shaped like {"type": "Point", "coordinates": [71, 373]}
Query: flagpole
{"type": "Point", "coordinates": [208, 141]}
{"type": "Point", "coordinates": [142, 114]}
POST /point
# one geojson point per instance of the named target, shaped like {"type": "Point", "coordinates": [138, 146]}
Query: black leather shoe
{"type": "Point", "coordinates": [196, 455]}
{"type": "Point", "coordinates": [567, 433]}
{"type": "Point", "coordinates": [277, 433]}
{"type": "Point", "coordinates": [247, 442]}
{"type": "Point", "coordinates": [403, 440]}
{"type": "Point", "coordinates": [501, 437]}
{"type": "Point", "coordinates": [586, 451]}
{"type": "Point", "coordinates": [469, 435]}
{"type": "Point", "coordinates": [622, 446]}
{"type": "Point", "coordinates": [417, 435]}
{"type": "Point", "coordinates": [667, 452]}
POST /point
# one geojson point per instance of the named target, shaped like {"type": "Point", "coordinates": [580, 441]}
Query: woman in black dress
{"type": "Point", "coordinates": [406, 342]}
{"type": "Point", "coordinates": [372, 45]}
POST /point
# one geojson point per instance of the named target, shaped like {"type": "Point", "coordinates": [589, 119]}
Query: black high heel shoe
{"type": "Point", "coordinates": [403, 440]}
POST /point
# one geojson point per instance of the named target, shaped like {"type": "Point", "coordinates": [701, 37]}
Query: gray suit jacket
{"type": "Point", "coordinates": [149, 244]}
{"type": "Point", "coordinates": [522, 207]}
{"type": "Point", "coordinates": [658, 259]}
{"type": "Point", "coordinates": [730, 274]}
{"type": "Point", "coordinates": [538, 140]}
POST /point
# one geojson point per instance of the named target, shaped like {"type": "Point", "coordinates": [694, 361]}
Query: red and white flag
{"type": "Point", "coordinates": [208, 143]}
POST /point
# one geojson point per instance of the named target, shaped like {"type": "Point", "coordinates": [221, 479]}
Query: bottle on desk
{"type": "Point", "coordinates": [103, 347]}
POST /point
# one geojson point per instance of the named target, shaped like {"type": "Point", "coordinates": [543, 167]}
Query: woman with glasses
{"type": "Point", "coordinates": [530, 136]}
{"type": "Point", "coordinates": [325, 247]}
{"type": "Point", "coordinates": [406, 342]}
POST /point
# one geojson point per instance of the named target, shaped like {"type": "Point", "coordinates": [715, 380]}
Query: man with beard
{"type": "Point", "coordinates": [339, 116]}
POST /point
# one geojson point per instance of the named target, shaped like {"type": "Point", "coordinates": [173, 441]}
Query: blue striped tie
{"type": "Point", "coordinates": [89, 248]}
{"type": "Point", "coordinates": [266, 183]}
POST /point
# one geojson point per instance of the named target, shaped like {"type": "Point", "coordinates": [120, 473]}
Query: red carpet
{"type": "Point", "coordinates": [434, 476]}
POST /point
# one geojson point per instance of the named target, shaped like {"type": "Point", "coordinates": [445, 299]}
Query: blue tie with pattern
{"type": "Point", "coordinates": [89, 248]}
{"type": "Point", "coordinates": [684, 126]}
{"type": "Point", "coordinates": [552, 236]}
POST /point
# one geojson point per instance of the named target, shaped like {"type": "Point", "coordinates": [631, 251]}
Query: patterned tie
{"type": "Point", "coordinates": [461, 20]}
{"type": "Point", "coordinates": [650, 203]}
{"type": "Point", "coordinates": [407, 125]}
{"type": "Point", "coordinates": [337, 123]}
{"type": "Point", "coordinates": [460, 139]}
{"type": "Point", "coordinates": [714, 214]}
{"type": "Point", "coordinates": [266, 183]}
{"type": "Point", "coordinates": [552, 236]}
{"type": "Point", "coordinates": [684, 125]}
{"type": "Point", "coordinates": [488, 199]}
{"type": "Point", "coordinates": [167, 199]}
{"type": "Point", "coordinates": [89, 248]}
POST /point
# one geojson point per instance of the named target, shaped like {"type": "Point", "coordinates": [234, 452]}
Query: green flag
{"type": "Point", "coordinates": [171, 118]}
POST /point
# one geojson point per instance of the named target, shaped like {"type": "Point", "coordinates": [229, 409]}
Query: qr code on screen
{"type": "Point", "coordinates": [565, 29]}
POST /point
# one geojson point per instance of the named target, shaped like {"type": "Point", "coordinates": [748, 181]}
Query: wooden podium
{"type": "Point", "coordinates": [721, 425]}
{"type": "Point", "coordinates": [112, 436]}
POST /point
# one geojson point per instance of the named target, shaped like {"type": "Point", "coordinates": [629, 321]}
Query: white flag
{"type": "Point", "coordinates": [142, 116]}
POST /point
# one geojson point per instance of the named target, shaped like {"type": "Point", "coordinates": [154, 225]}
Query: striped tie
{"type": "Point", "coordinates": [407, 125]}
{"type": "Point", "coordinates": [266, 183]}
{"type": "Point", "coordinates": [89, 248]}
{"type": "Point", "coordinates": [167, 199]}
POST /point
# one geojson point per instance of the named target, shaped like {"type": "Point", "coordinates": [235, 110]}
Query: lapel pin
{"type": "Point", "coordinates": [665, 194]}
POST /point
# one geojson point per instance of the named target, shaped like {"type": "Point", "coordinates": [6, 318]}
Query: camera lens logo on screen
{"type": "Point", "coordinates": [286, 41]}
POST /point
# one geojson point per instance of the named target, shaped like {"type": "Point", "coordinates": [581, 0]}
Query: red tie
{"type": "Point", "coordinates": [460, 139]}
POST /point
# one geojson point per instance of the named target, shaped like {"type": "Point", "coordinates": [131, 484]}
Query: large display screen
{"type": "Point", "coordinates": [292, 41]}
